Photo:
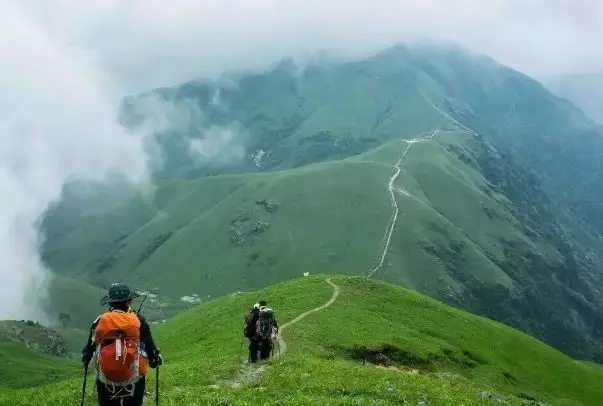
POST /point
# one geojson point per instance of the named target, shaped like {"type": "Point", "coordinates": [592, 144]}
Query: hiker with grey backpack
{"type": "Point", "coordinates": [267, 329]}
{"type": "Point", "coordinates": [261, 329]}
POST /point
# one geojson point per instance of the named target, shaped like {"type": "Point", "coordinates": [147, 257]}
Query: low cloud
{"type": "Point", "coordinates": [181, 118]}
{"type": "Point", "coordinates": [218, 144]}
{"type": "Point", "coordinates": [57, 123]}
{"type": "Point", "coordinates": [148, 43]}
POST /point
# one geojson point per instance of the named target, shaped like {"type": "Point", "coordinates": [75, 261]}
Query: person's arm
{"type": "Point", "coordinates": [149, 344]}
{"type": "Point", "coordinates": [88, 350]}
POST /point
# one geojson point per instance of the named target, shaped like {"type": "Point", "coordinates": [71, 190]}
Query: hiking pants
{"type": "Point", "coordinates": [105, 394]}
{"type": "Point", "coordinates": [254, 347]}
{"type": "Point", "coordinates": [265, 348]}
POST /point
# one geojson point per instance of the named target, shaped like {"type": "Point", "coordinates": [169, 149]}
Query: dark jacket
{"type": "Point", "coordinates": [252, 321]}
{"type": "Point", "coordinates": [146, 341]}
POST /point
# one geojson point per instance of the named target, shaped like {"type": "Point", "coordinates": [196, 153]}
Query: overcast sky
{"type": "Point", "coordinates": [143, 43]}
{"type": "Point", "coordinates": [64, 64]}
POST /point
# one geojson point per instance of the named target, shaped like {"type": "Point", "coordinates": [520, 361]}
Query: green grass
{"type": "Point", "coordinates": [455, 355]}
{"type": "Point", "coordinates": [21, 367]}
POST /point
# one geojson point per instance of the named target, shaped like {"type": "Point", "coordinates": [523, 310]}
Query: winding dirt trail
{"type": "Point", "coordinates": [391, 188]}
{"type": "Point", "coordinates": [281, 342]}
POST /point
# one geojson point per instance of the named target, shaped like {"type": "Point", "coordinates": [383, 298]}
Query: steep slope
{"type": "Point", "coordinates": [375, 343]}
{"type": "Point", "coordinates": [584, 90]}
{"type": "Point", "coordinates": [519, 115]}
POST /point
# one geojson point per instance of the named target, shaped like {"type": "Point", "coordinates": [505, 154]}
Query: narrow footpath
{"type": "Point", "coordinates": [253, 373]}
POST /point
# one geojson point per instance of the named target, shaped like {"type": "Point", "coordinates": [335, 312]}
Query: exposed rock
{"type": "Point", "coordinates": [34, 336]}
{"type": "Point", "coordinates": [532, 402]}
{"type": "Point", "coordinates": [269, 205]}
{"type": "Point", "coordinates": [249, 373]}
{"type": "Point", "coordinates": [149, 295]}
{"type": "Point", "coordinates": [488, 396]}
{"type": "Point", "coordinates": [260, 226]}
{"type": "Point", "coordinates": [424, 401]}
{"type": "Point", "coordinates": [243, 229]}
{"type": "Point", "coordinates": [240, 218]}
{"type": "Point", "coordinates": [391, 387]}
{"type": "Point", "coordinates": [258, 157]}
{"type": "Point", "coordinates": [194, 299]}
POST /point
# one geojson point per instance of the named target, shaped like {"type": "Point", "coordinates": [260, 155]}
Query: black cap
{"type": "Point", "coordinates": [262, 303]}
{"type": "Point", "coordinates": [118, 293]}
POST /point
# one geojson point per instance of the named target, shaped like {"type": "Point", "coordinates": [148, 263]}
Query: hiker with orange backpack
{"type": "Point", "coordinates": [123, 345]}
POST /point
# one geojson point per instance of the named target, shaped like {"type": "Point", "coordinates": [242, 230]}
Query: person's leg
{"type": "Point", "coordinates": [265, 347]}
{"type": "Point", "coordinates": [104, 395]}
{"type": "Point", "coordinates": [253, 350]}
{"type": "Point", "coordinates": [138, 397]}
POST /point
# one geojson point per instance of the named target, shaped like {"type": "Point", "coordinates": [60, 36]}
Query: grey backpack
{"type": "Point", "coordinates": [265, 323]}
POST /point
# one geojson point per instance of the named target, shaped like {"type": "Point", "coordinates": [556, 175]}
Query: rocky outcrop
{"type": "Point", "coordinates": [269, 205]}
{"type": "Point", "coordinates": [34, 336]}
{"type": "Point", "coordinates": [249, 224]}
{"type": "Point", "coordinates": [244, 229]}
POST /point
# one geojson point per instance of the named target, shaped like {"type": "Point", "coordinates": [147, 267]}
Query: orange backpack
{"type": "Point", "coordinates": [118, 352]}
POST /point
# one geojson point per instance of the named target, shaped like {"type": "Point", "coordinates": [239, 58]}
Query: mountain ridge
{"type": "Point", "coordinates": [481, 212]}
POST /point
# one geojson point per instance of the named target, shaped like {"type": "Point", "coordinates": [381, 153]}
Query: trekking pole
{"type": "Point", "coordinates": [157, 386]}
{"type": "Point", "coordinates": [84, 384]}
{"type": "Point", "coordinates": [141, 303]}
{"type": "Point", "coordinates": [241, 349]}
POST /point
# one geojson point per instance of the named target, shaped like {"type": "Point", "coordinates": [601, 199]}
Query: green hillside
{"type": "Point", "coordinates": [453, 238]}
{"type": "Point", "coordinates": [21, 367]}
{"type": "Point", "coordinates": [496, 212]}
{"type": "Point", "coordinates": [374, 343]}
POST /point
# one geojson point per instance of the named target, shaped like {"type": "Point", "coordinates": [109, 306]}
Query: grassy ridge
{"type": "Point", "coordinates": [315, 200]}
{"type": "Point", "coordinates": [331, 215]}
{"type": "Point", "coordinates": [195, 217]}
{"type": "Point", "coordinates": [460, 236]}
{"type": "Point", "coordinates": [435, 352]}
